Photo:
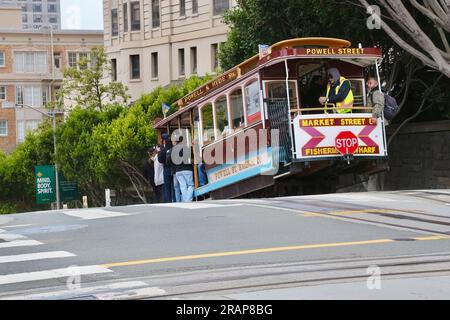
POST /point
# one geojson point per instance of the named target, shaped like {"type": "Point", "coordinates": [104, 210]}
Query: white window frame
{"type": "Point", "coordinates": [4, 89]}
{"type": "Point", "coordinates": [30, 62]}
{"type": "Point", "coordinates": [6, 128]}
{"type": "Point", "coordinates": [3, 59]}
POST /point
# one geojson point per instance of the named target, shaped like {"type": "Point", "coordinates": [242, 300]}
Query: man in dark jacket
{"type": "Point", "coordinates": [339, 92]}
{"type": "Point", "coordinates": [164, 158]}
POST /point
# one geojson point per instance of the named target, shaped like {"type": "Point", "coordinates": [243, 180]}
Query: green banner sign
{"type": "Point", "coordinates": [67, 189]}
{"type": "Point", "coordinates": [45, 184]}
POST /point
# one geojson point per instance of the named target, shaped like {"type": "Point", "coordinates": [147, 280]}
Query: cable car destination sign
{"type": "Point", "coordinates": [210, 86]}
{"type": "Point", "coordinates": [325, 136]}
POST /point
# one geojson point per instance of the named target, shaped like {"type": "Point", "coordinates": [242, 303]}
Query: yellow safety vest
{"type": "Point", "coordinates": [348, 101]}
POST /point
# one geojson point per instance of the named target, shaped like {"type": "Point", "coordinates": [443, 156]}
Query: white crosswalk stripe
{"type": "Point", "coordinates": [90, 214]}
{"type": "Point", "coordinates": [51, 274]}
{"type": "Point", "coordinates": [120, 290]}
{"type": "Point", "coordinates": [194, 205]}
{"type": "Point", "coordinates": [11, 236]}
{"type": "Point", "coordinates": [35, 256]}
{"type": "Point", "coordinates": [19, 243]}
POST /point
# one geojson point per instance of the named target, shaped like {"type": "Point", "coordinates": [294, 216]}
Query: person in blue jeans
{"type": "Point", "coordinates": [184, 173]}
{"type": "Point", "coordinates": [164, 158]}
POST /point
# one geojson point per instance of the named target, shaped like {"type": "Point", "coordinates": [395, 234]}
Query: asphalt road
{"type": "Point", "coordinates": [328, 246]}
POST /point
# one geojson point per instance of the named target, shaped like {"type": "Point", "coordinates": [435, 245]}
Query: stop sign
{"type": "Point", "coordinates": [346, 142]}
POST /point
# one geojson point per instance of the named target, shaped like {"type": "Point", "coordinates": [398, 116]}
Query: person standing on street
{"type": "Point", "coordinates": [149, 172]}
{"type": "Point", "coordinates": [184, 172]}
{"type": "Point", "coordinates": [164, 158]}
{"type": "Point", "coordinates": [158, 176]}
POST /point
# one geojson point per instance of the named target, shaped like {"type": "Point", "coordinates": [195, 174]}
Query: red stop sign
{"type": "Point", "coordinates": [346, 142]}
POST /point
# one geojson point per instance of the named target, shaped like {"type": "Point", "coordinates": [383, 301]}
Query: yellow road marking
{"type": "Point", "coordinates": [314, 214]}
{"type": "Point", "coordinates": [338, 213]}
{"type": "Point", "coordinates": [432, 238]}
{"type": "Point", "coordinates": [244, 252]}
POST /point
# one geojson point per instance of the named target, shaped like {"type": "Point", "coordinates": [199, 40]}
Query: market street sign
{"type": "Point", "coordinates": [45, 184]}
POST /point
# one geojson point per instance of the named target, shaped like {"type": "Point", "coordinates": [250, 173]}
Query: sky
{"type": "Point", "coordinates": [82, 14]}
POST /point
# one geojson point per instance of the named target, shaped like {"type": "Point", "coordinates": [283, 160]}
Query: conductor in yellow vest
{"type": "Point", "coordinates": [338, 93]}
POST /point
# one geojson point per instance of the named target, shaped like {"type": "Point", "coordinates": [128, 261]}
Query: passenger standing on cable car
{"type": "Point", "coordinates": [164, 158]}
{"type": "Point", "coordinates": [184, 170]}
{"type": "Point", "coordinates": [339, 92]}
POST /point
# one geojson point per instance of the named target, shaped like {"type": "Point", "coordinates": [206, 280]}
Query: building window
{"type": "Point", "coordinates": [194, 6]}
{"type": "Point", "coordinates": [181, 68]}
{"type": "Point", "coordinates": [182, 8]}
{"type": "Point", "coordinates": [52, 8]}
{"type": "Point", "coordinates": [2, 59]}
{"type": "Point", "coordinates": [37, 18]}
{"type": "Point", "coordinates": [135, 16]}
{"type": "Point", "coordinates": [135, 67]}
{"type": "Point", "coordinates": [3, 127]}
{"type": "Point", "coordinates": [125, 17]}
{"type": "Point", "coordinates": [52, 19]}
{"type": "Point", "coordinates": [37, 8]}
{"type": "Point", "coordinates": [74, 59]}
{"type": "Point", "coordinates": [2, 93]}
{"type": "Point", "coordinates": [57, 60]}
{"type": "Point", "coordinates": [114, 69]}
{"type": "Point", "coordinates": [154, 64]}
{"type": "Point", "coordinates": [219, 6]}
{"type": "Point", "coordinates": [193, 60]}
{"type": "Point", "coordinates": [214, 56]}
{"type": "Point", "coordinates": [114, 23]}
{"type": "Point", "coordinates": [156, 22]}
{"type": "Point", "coordinates": [30, 62]}
{"type": "Point", "coordinates": [30, 95]}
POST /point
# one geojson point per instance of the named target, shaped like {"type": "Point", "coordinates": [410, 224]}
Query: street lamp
{"type": "Point", "coordinates": [54, 146]}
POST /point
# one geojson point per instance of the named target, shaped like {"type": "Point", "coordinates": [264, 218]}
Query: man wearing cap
{"type": "Point", "coordinates": [164, 158]}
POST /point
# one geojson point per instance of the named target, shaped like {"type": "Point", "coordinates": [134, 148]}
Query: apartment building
{"type": "Point", "coordinates": [37, 13]}
{"type": "Point", "coordinates": [31, 74]}
{"type": "Point", "coordinates": [157, 42]}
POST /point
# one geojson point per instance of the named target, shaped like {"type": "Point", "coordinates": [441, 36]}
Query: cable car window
{"type": "Point", "coordinates": [208, 123]}
{"type": "Point", "coordinates": [196, 126]}
{"type": "Point", "coordinates": [222, 115]}
{"type": "Point", "coordinates": [358, 92]}
{"type": "Point", "coordinates": [276, 91]}
{"type": "Point", "coordinates": [237, 109]}
{"type": "Point", "coordinates": [252, 102]}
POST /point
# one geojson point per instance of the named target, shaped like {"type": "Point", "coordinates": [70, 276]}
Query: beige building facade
{"type": "Point", "coordinates": [157, 42]}
{"type": "Point", "coordinates": [31, 74]}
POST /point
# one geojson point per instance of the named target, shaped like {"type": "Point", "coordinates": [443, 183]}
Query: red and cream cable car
{"type": "Point", "coordinates": [260, 124]}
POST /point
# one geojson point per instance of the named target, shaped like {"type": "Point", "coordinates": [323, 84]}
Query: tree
{"type": "Point", "coordinates": [420, 27]}
{"type": "Point", "coordinates": [88, 83]}
{"type": "Point", "coordinates": [255, 22]}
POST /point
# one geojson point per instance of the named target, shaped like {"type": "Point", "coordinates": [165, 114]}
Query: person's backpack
{"type": "Point", "coordinates": [391, 107]}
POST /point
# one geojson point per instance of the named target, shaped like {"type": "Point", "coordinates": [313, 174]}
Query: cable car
{"type": "Point", "coordinates": [259, 126]}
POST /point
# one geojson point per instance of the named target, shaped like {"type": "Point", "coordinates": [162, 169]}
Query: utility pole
{"type": "Point", "coordinates": [53, 116]}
